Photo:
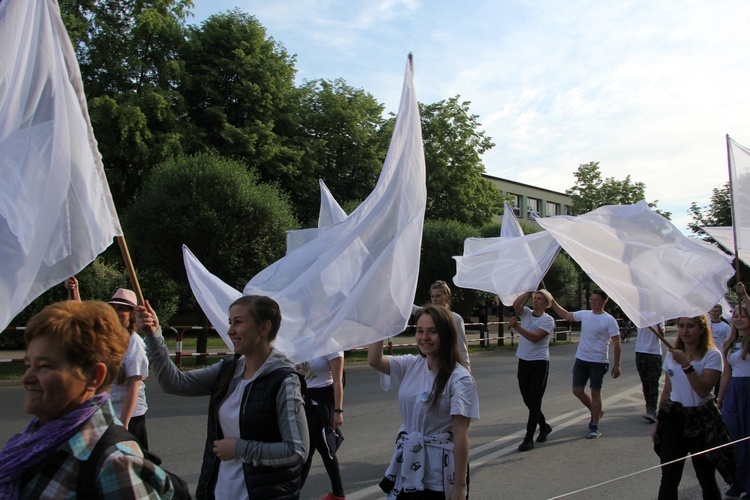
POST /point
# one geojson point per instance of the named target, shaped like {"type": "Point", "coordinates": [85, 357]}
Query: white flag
{"type": "Point", "coordinates": [510, 228]}
{"type": "Point", "coordinates": [354, 281]}
{"type": "Point", "coordinates": [643, 262]}
{"type": "Point", "coordinates": [56, 211]}
{"type": "Point", "coordinates": [724, 236]}
{"type": "Point", "coordinates": [739, 174]}
{"type": "Point", "coordinates": [330, 213]}
{"type": "Point", "coordinates": [508, 267]}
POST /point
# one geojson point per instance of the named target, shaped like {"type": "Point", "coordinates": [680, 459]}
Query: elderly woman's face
{"type": "Point", "coordinates": [53, 386]}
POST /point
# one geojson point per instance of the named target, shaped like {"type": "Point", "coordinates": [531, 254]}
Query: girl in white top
{"type": "Point", "coordinates": [440, 295]}
{"type": "Point", "coordinates": [692, 369]}
{"type": "Point", "coordinates": [734, 393]}
{"type": "Point", "coordinates": [438, 399]}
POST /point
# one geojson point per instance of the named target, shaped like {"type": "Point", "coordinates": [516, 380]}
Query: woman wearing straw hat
{"type": "Point", "coordinates": [128, 392]}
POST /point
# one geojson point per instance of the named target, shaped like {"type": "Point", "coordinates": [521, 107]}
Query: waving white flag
{"type": "Point", "coordinates": [353, 282]}
{"type": "Point", "coordinates": [56, 211]}
{"type": "Point", "coordinates": [643, 262]}
{"type": "Point", "coordinates": [509, 227]}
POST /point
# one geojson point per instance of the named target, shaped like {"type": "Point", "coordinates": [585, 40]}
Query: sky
{"type": "Point", "coordinates": [648, 88]}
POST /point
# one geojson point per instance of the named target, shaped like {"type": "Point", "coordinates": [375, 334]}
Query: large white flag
{"type": "Point", "coordinates": [507, 266]}
{"type": "Point", "coordinates": [643, 262]}
{"type": "Point", "coordinates": [724, 236]}
{"type": "Point", "coordinates": [739, 174]}
{"type": "Point", "coordinates": [510, 228]}
{"type": "Point", "coordinates": [353, 282]}
{"type": "Point", "coordinates": [56, 211]}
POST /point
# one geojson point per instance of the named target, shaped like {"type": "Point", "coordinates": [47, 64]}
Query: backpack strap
{"type": "Point", "coordinates": [87, 472]}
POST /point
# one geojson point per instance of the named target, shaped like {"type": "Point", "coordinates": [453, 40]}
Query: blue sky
{"type": "Point", "coordinates": [647, 88]}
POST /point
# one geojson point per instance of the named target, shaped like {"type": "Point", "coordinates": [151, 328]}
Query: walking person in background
{"type": "Point", "coordinates": [598, 330]}
{"type": "Point", "coordinates": [324, 407]}
{"type": "Point", "coordinates": [734, 394]}
{"type": "Point", "coordinates": [688, 420]}
{"type": "Point", "coordinates": [720, 332]}
{"type": "Point", "coordinates": [440, 295]}
{"type": "Point", "coordinates": [535, 327]}
{"type": "Point", "coordinates": [257, 438]}
{"type": "Point", "coordinates": [438, 399]}
{"type": "Point", "coordinates": [648, 361]}
{"type": "Point", "coordinates": [127, 392]}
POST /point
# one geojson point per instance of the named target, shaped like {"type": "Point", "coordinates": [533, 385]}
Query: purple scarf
{"type": "Point", "coordinates": [26, 451]}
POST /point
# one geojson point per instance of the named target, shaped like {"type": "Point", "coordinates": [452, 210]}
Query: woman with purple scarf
{"type": "Point", "coordinates": [73, 352]}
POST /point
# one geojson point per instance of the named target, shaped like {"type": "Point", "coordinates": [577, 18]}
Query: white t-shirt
{"type": "Point", "coordinates": [682, 391]}
{"type": "Point", "coordinates": [231, 480]}
{"type": "Point", "coordinates": [740, 367]}
{"type": "Point", "coordinates": [135, 364]}
{"type": "Point", "coordinates": [647, 342]}
{"type": "Point", "coordinates": [597, 331]}
{"type": "Point", "coordinates": [720, 332]}
{"type": "Point", "coordinates": [317, 372]}
{"type": "Point", "coordinates": [413, 379]}
{"type": "Point", "coordinates": [533, 351]}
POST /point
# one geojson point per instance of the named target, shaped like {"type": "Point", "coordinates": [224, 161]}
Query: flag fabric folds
{"type": "Point", "coordinates": [56, 210]}
{"type": "Point", "coordinates": [724, 236]}
{"type": "Point", "coordinates": [739, 176]}
{"type": "Point", "coordinates": [353, 283]}
{"type": "Point", "coordinates": [643, 262]}
{"type": "Point", "coordinates": [507, 266]}
{"type": "Point", "coordinates": [509, 227]}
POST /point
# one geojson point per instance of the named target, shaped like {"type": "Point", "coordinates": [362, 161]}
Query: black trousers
{"type": "Point", "coordinates": [137, 427]}
{"type": "Point", "coordinates": [649, 370]}
{"type": "Point", "coordinates": [532, 380]}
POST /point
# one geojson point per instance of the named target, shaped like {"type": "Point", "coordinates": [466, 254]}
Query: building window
{"type": "Point", "coordinates": [568, 210]}
{"type": "Point", "coordinates": [517, 204]}
{"type": "Point", "coordinates": [552, 209]}
{"type": "Point", "coordinates": [532, 205]}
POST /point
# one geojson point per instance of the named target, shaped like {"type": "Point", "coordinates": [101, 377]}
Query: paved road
{"type": "Point", "coordinates": [566, 463]}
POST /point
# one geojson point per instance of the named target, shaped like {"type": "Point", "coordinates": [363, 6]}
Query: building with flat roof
{"type": "Point", "coordinates": [526, 198]}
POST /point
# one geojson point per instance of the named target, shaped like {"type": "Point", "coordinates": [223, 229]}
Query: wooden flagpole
{"type": "Point", "coordinates": [130, 269]}
{"type": "Point", "coordinates": [657, 331]}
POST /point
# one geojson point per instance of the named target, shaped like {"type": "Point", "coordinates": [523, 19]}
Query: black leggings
{"type": "Point", "coordinates": [318, 443]}
{"type": "Point", "coordinates": [532, 380]}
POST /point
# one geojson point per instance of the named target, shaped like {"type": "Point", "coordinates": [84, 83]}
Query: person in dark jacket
{"type": "Point", "coordinates": [257, 436]}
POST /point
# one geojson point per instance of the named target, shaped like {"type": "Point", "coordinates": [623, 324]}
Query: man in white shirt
{"type": "Point", "coordinates": [598, 330]}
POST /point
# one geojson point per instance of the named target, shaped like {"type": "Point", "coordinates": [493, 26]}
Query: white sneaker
{"type": "Point", "coordinates": [650, 415]}
{"type": "Point", "coordinates": [594, 433]}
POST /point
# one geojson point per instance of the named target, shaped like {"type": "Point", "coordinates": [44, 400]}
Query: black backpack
{"type": "Point", "coordinates": [115, 434]}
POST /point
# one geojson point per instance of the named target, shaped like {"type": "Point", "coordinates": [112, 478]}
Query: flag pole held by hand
{"type": "Point", "coordinates": [660, 335]}
{"type": "Point", "coordinates": [130, 269]}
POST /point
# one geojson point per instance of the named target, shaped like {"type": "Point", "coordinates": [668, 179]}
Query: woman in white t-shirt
{"type": "Point", "coordinates": [324, 408]}
{"type": "Point", "coordinates": [535, 327]}
{"type": "Point", "coordinates": [688, 419]}
{"type": "Point", "coordinates": [438, 399]}
{"type": "Point", "coordinates": [734, 394]}
{"type": "Point", "coordinates": [128, 392]}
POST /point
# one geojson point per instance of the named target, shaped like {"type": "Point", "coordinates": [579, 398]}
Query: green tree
{"type": "Point", "coordinates": [240, 96]}
{"type": "Point", "coordinates": [232, 222]}
{"type": "Point", "coordinates": [453, 145]}
{"type": "Point", "coordinates": [718, 212]}
{"type": "Point", "coordinates": [128, 52]}
{"type": "Point", "coordinates": [342, 142]}
{"type": "Point", "coordinates": [591, 191]}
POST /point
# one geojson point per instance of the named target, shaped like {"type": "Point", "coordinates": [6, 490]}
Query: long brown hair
{"type": "Point", "coordinates": [705, 341]}
{"type": "Point", "coordinates": [734, 335]}
{"type": "Point", "coordinates": [448, 354]}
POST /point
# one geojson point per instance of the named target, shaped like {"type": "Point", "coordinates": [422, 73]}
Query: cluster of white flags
{"type": "Point", "coordinates": [56, 211]}
{"type": "Point", "coordinates": [638, 257]}
{"type": "Point", "coordinates": [352, 280]}
{"type": "Point", "coordinates": [509, 265]}
{"type": "Point", "coordinates": [739, 231]}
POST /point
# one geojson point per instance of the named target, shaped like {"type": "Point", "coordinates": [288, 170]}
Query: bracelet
{"type": "Point", "coordinates": [338, 410]}
{"type": "Point", "coordinates": [690, 369]}
{"type": "Point", "coordinates": [685, 366]}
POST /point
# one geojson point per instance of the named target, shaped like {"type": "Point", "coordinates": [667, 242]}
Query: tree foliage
{"type": "Point", "coordinates": [718, 212]}
{"type": "Point", "coordinates": [232, 222]}
{"type": "Point", "coordinates": [343, 143]}
{"type": "Point", "coordinates": [128, 52]}
{"type": "Point", "coordinates": [453, 145]}
{"type": "Point", "coordinates": [591, 191]}
{"type": "Point", "coordinates": [240, 95]}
